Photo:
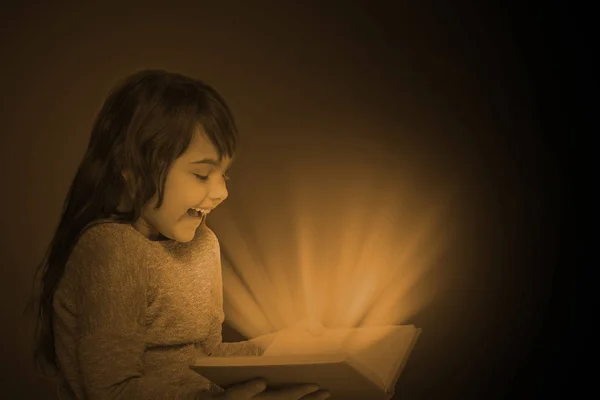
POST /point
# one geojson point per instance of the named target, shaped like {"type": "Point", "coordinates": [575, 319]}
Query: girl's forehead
{"type": "Point", "coordinates": [202, 151]}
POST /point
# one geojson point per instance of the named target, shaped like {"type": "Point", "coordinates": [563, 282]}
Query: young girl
{"type": "Point", "coordinates": [131, 288]}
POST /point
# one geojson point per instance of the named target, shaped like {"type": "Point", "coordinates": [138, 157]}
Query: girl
{"type": "Point", "coordinates": [131, 288]}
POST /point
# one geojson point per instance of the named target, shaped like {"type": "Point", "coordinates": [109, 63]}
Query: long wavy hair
{"type": "Point", "coordinates": [146, 122]}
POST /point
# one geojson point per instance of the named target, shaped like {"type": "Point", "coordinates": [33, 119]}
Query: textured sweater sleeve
{"type": "Point", "coordinates": [112, 311]}
{"type": "Point", "coordinates": [231, 349]}
{"type": "Point", "coordinates": [214, 345]}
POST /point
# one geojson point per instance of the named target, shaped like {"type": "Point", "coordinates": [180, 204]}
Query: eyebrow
{"type": "Point", "coordinates": [207, 161]}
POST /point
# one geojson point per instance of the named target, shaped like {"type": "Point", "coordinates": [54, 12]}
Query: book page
{"type": "Point", "coordinates": [300, 342]}
{"type": "Point", "coordinates": [378, 348]}
{"type": "Point", "coordinates": [381, 348]}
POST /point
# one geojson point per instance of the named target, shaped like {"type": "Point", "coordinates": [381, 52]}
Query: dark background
{"type": "Point", "coordinates": [481, 93]}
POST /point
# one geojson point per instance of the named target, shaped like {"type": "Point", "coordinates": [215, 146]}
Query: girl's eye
{"type": "Point", "coordinates": [205, 178]}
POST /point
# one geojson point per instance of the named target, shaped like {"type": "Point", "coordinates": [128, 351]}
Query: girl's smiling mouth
{"type": "Point", "coordinates": [198, 212]}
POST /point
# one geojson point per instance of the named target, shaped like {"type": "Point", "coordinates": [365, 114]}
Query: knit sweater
{"type": "Point", "coordinates": [131, 315]}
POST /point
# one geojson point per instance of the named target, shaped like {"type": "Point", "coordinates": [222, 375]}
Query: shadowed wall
{"type": "Point", "coordinates": [414, 98]}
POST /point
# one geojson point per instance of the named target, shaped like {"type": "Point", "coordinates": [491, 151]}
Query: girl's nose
{"type": "Point", "coordinates": [219, 192]}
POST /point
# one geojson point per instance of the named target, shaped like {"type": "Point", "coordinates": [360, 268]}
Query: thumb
{"type": "Point", "coordinates": [246, 390]}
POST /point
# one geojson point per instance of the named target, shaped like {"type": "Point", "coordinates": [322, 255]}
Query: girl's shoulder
{"type": "Point", "coordinates": [109, 248]}
{"type": "Point", "coordinates": [105, 236]}
{"type": "Point", "coordinates": [105, 229]}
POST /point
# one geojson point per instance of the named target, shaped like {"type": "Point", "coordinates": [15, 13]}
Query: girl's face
{"type": "Point", "coordinates": [195, 180]}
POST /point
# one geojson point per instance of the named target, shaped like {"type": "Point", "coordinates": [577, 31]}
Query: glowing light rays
{"type": "Point", "coordinates": [343, 259]}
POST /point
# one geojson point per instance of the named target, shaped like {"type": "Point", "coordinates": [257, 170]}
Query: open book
{"type": "Point", "coordinates": [356, 363]}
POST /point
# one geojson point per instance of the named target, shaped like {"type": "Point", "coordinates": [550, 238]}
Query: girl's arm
{"type": "Point", "coordinates": [112, 312]}
{"type": "Point", "coordinates": [213, 345]}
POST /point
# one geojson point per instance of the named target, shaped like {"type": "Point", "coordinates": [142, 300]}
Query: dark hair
{"type": "Point", "coordinates": [146, 123]}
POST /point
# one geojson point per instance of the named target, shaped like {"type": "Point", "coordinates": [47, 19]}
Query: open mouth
{"type": "Point", "coordinates": [197, 212]}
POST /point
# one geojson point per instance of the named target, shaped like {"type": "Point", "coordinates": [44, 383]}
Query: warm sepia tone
{"type": "Point", "coordinates": [351, 363]}
{"type": "Point", "coordinates": [393, 169]}
{"type": "Point", "coordinates": [349, 265]}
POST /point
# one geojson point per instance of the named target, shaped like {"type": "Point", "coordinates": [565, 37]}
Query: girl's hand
{"type": "Point", "coordinates": [264, 341]}
{"type": "Point", "coordinates": [255, 389]}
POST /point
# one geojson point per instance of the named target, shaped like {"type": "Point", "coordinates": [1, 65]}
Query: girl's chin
{"type": "Point", "coordinates": [186, 232]}
{"type": "Point", "coordinates": [185, 239]}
